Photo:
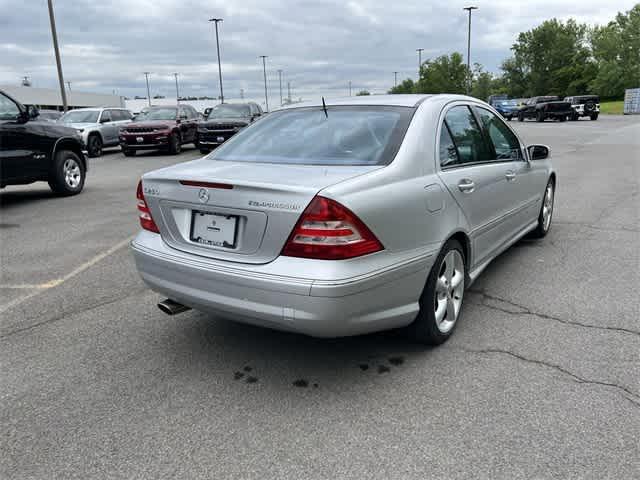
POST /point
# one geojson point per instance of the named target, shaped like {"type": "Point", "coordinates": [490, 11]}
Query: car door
{"type": "Point", "coordinates": [522, 179]}
{"type": "Point", "coordinates": [20, 156]}
{"type": "Point", "coordinates": [477, 182]}
{"type": "Point", "coordinates": [108, 128]}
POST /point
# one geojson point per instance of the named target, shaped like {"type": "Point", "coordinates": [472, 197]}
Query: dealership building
{"type": "Point", "coordinates": [50, 99]}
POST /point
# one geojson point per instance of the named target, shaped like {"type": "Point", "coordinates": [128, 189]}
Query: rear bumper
{"type": "Point", "coordinates": [378, 300]}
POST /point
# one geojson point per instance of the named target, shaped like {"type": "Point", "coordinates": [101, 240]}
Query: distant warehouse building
{"type": "Point", "coordinates": [50, 99]}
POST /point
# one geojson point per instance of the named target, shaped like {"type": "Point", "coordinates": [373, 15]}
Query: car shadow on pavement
{"type": "Point", "coordinates": [259, 355]}
{"type": "Point", "coordinates": [14, 197]}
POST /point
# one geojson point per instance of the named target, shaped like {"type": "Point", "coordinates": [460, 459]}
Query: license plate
{"type": "Point", "coordinates": [214, 229]}
{"type": "Point", "coordinates": [139, 139]}
{"type": "Point", "coordinates": [220, 139]}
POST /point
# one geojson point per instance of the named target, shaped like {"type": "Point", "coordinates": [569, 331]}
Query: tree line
{"type": "Point", "coordinates": [554, 58]}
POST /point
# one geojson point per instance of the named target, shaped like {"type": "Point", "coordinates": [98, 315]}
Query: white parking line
{"type": "Point", "coordinates": [37, 288]}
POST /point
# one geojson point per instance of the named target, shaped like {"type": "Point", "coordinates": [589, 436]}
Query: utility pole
{"type": "Point", "coordinates": [216, 20]}
{"type": "Point", "coordinates": [264, 70]}
{"type": "Point", "coordinates": [146, 76]}
{"type": "Point", "coordinates": [469, 9]}
{"type": "Point", "coordinates": [280, 79]}
{"type": "Point", "coordinates": [54, 34]}
{"type": "Point", "coordinates": [69, 85]}
{"type": "Point", "coordinates": [395, 79]}
{"type": "Point", "coordinates": [419, 50]}
{"type": "Point", "coordinates": [242, 94]}
{"type": "Point", "coordinates": [175, 74]}
{"type": "Point", "coordinates": [349, 87]}
{"type": "Point", "coordinates": [289, 91]}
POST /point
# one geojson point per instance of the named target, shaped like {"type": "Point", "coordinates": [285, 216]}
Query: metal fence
{"type": "Point", "coordinates": [632, 101]}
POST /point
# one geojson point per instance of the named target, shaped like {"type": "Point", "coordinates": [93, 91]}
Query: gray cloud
{"type": "Point", "coordinates": [320, 45]}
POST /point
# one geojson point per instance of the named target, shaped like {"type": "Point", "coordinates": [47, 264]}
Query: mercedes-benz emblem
{"type": "Point", "coordinates": [203, 195]}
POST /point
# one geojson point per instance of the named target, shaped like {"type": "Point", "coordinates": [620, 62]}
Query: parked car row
{"type": "Point", "coordinates": [547, 107]}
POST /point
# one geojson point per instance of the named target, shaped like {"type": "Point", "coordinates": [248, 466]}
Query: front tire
{"type": "Point", "coordinates": [175, 146]}
{"type": "Point", "coordinates": [546, 211]}
{"type": "Point", "coordinates": [594, 116]}
{"type": "Point", "coordinates": [441, 299]}
{"type": "Point", "coordinates": [562, 118]}
{"type": "Point", "coordinates": [68, 174]}
{"type": "Point", "coordinates": [128, 153]}
{"type": "Point", "coordinates": [539, 117]}
{"type": "Point", "coordinates": [94, 145]}
{"type": "Point", "coordinates": [204, 151]}
{"type": "Point", "coordinates": [521, 117]}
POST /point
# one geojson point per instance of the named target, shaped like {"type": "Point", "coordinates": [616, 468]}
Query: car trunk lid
{"type": "Point", "coordinates": [242, 212]}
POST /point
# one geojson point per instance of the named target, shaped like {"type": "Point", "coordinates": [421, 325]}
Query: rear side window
{"type": "Point", "coordinates": [505, 143]}
{"type": "Point", "coordinates": [345, 135]}
{"type": "Point", "coordinates": [467, 136]}
{"type": "Point", "coordinates": [448, 152]}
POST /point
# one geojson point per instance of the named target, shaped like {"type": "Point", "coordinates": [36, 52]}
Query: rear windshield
{"type": "Point", "coordinates": [345, 135]}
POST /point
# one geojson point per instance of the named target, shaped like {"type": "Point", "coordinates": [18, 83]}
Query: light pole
{"type": "Point", "coordinates": [349, 87]}
{"type": "Point", "coordinates": [264, 71]}
{"type": "Point", "coordinates": [469, 9]}
{"type": "Point", "coordinates": [54, 34]}
{"type": "Point", "coordinates": [146, 75]}
{"type": "Point", "coordinates": [69, 85]}
{"type": "Point", "coordinates": [419, 50]}
{"type": "Point", "coordinates": [216, 20]}
{"type": "Point", "coordinates": [280, 79]}
{"type": "Point", "coordinates": [175, 74]}
{"type": "Point", "coordinates": [289, 91]}
{"type": "Point", "coordinates": [395, 79]}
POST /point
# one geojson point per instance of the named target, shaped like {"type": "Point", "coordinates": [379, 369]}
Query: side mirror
{"type": "Point", "coordinates": [32, 112]}
{"type": "Point", "coordinates": [538, 152]}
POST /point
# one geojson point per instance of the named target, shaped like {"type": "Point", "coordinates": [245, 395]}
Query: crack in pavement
{"type": "Point", "coordinates": [635, 397]}
{"type": "Point", "coordinates": [71, 313]}
{"type": "Point", "coordinates": [527, 311]}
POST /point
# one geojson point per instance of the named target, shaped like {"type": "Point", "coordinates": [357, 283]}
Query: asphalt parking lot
{"type": "Point", "coordinates": [540, 380]}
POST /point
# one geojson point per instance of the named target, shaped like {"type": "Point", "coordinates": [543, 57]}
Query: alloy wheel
{"type": "Point", "coordinates": [72, 173]}
{"type": "Point", "coordinates": [449, 291]}
{"type": "Point", "coordinates": [547, 207]}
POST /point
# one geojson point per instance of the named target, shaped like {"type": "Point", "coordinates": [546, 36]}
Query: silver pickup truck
{"type": "Point", "coordinates": [99, 127]}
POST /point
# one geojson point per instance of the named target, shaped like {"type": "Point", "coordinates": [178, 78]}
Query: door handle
{"type": "Point", "coordinates": [510, 175]}
{"type": "Point", "coordinates": [466, 185]}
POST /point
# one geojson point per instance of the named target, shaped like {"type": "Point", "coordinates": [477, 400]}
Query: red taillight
{"type": "Point", "coordinates": [146, 220]}
{"type": "Point", "coordinates": [328, 231]}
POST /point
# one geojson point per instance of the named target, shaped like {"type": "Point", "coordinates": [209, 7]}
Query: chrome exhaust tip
{"type": "Point", "coordinates": [171, 307]}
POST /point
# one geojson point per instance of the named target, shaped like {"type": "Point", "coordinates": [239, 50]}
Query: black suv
{"type": "Point", "coordinates": [224, 121]}
{"type": "Point", "coordinates": [32, 150]}
{"type": "Point", "coordinates": [542, 108]}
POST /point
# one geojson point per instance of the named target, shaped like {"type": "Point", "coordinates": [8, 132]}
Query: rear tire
{"type": "Point", "coordinates": [441, 299]}
{"type": "Point", "coordinates": [539, 117]}
{"type": "Point", "coordinates": [94, 145]}
{"type": "Point", "coordinates": [67, 174]}
{"type": "Point", "coordinates": [546, 211]}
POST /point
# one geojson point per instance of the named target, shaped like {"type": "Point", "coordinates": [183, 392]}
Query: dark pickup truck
{"type": "Point", "coordinates": [542, 108]}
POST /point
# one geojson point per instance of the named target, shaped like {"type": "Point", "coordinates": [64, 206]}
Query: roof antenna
{"type": "Point", "coordinates": [324, 107]}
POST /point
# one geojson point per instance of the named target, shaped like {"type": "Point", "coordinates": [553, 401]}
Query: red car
{"type": "Point", "coordinates": [161, 128]}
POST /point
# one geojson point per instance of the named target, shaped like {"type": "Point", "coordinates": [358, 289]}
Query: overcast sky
{"type": "Point", "coordinates": [320, 45]}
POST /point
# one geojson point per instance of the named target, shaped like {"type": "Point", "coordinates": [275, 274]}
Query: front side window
{"type": "Point", "coordinates": [106, 116]}
{"type": "Point", "coordinates": [467, 136]}
{"type": "Point", "coordinates": [8, 109]}
{"type": "Point", "coordinates": [345, 135]}
{"type": "Point", "coordinates": [505, 143]}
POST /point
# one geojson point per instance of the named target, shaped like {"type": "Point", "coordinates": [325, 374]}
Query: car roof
{"type": "Point", "coordinates": [396, 100]}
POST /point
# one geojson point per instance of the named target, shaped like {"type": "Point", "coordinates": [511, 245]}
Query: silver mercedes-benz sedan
{"type": "Point", "coordinates": [344, 217]}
